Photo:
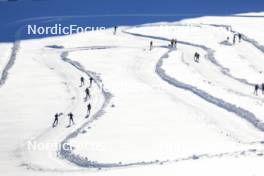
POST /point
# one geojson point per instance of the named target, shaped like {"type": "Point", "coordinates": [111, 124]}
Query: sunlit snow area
{"type": "Point", "coordinates": [154, 109]}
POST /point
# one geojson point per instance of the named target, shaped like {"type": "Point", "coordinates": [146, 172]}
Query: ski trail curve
{"type": "Point", "coordinates": [85, 162]}
{"type": "Point", "coordinates": [245, 114]}
{"type": "Point", "coordinates": [241, 112]}
{"type": "Point", "coordinates": [70, 133]}
{"type": "Point", "coordinates": [94, 164]}
{"type": "Point", "coordinates": [65, 151]}
{"type": "Point", "coordinates": [10, 62]}
{"type": "Point", "coordinates": [210, 54]}
{"type": "Point", "coordinates": [255, 43]}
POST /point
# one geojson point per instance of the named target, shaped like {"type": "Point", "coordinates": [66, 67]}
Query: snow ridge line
{"type": "Point", "coordinates": [10, 62]}
{"type": "Point", "coordinates": [85, 162]}
{"type": "Point", "coordinates": [249, 116]}
{"type": "Point", "coordinates": [107, 96]}
{"type": "Point", "coordinates": [244, 37]}
{"type": "Point", "coordinates": [240, 153]}
{"type": "Point", "coordinates": [99, 166]}
{"type": "Point", "coordinates": [65, 150]}
{"type": "Point", "coordinates": [210, 52]}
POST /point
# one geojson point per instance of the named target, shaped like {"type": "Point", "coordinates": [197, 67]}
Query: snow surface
{"type": "Point", "coordinates": [153, 112]}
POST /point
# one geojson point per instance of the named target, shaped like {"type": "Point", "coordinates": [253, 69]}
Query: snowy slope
{"type": "Point", "coordinates": [250, 26]}
{"type": "Point", "coordinates": [157, 110]}
{"type": "Point", "coordinates": [6, 50]}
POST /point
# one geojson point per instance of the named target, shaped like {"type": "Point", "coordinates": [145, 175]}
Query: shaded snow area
{"type": "Point", "coordinates": [154, 111]}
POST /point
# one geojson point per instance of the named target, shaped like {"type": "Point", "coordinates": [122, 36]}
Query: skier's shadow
{"type": "Point", "coordinates": [85, 99]}
{"type": "Point", "coordinates": [225, 42]}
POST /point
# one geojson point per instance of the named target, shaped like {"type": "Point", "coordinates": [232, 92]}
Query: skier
{"type": "Point", "coordinates": [115, 28]}
{"type": "Point", "coordinates": [196, 57]}
{"type": "Point", "coordinates": [234, 39]}
{"type": "Point", "coordinates": [89, 107]}
{"type": "Point", "coordinates": [55, 123]}
{"type": "Point", "coordinates": [82, 81]}
{"type": "Point", "coordinates": [56, 120]}
{"type": "Point", "coordinates": [262, 88]}
{"type": "Point", "coordinates": [239, 37]}
{"type": "Point", "coordinates": [256, 89]}
{"type": "Point", "coordinates": [151, 45]}
{"type": "Point", "coordinates": [87, 94]}
{"type": "Point", "coordinates": [172, 43]}
{"type": "Point", "coordinates": [91, 80]}
{"type": "Point", "coordinates": [71, 119]}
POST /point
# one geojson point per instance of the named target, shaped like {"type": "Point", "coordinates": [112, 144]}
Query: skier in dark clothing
{"type": "Point", "coordinates": [172, 43]}
{"type": "Point", "coordinates": [82, 81]}
{"type": "Point", "coordinates": [71, 119]}
{"type": "Point", "coordinates": [89, 107]}
{"type": "Point", "coordinates": [239, 37]}
{"type": "Point", "coordinates": [196, 57]}
{"type": "Point", "coordinates": [262, 88]}
{"type": "Point", "coordinates": [56, 120]}
{"type": "Point", "coordinates": [234, 39]}
{"type": "Point", "coordinates": [87, 94]}
{"type": "Point", "coordinates": [115, 28]}
{"type": "Point", "coordinates": [151, 45]}
{"type": "Point", "coordinates": [91, 80]}
{"type": "Point", "coordinates": [256, 89]}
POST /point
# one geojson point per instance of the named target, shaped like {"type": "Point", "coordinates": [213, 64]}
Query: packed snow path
{"type": "Point", "coordinates": [100, 97]}
{"type": "Point", "coordinates": [221, 103]}
{"type": "Point", "coordinates": [232, 108]}
{"type": "Point", "coordinates": [84, 162]}
{"type": "Point", "coordinates": [10, 63]}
